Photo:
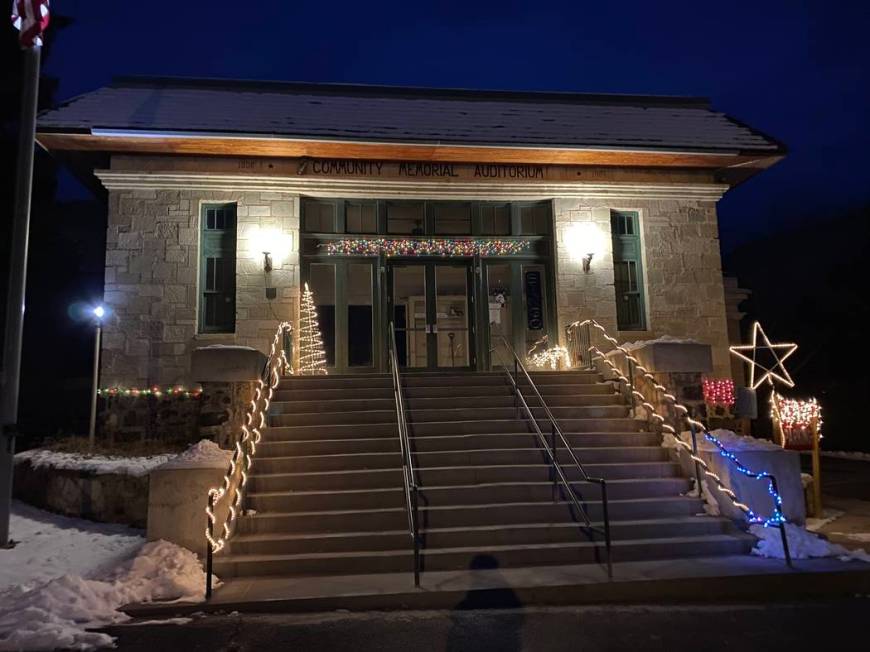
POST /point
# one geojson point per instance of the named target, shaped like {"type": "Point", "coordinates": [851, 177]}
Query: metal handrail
{"type": "Point", "coordinates": [552, 453]}
{"type": "Point", "coordinates": [580, 345]}
{"type": "Point", "coordinates": [408, 474]}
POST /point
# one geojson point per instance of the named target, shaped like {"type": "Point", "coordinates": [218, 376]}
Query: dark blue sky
{"type": "Point", "coordinates": [798, 71]}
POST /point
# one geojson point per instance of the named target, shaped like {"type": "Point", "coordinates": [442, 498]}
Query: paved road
{"type": "Point", "coordinates": [831, 625]}
{"type": "Point", "coordinates": [842, 478]}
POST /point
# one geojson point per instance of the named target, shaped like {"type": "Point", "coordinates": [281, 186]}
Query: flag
{"type": "Point", "coordinates": [30, 17]}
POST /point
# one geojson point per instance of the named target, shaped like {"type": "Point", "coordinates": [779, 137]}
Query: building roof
{"type": "Point", "coordinates": [335, 112]}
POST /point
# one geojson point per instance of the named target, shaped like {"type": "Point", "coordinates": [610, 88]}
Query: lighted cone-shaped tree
{"type": "Point", "coordinates": [312, 357]}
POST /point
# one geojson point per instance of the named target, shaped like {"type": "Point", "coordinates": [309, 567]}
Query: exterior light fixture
{"type": "Point", "coordinates": [270, 245]}
{"type": "Point", "coordinates": [582, 241]}
{"type": "Point", "coordinates": [267, 261]}
{"type": "Point", "coordinates": [99, 312]}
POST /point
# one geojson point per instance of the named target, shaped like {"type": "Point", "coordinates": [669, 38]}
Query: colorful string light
{"type": "Point", "coordinates": [776, 519]}
{"type": "Point", "coordinates": [174, 391]}
{"type": "Point", "coordinates": [424, 247]}
{"type": "Point", "coordinates": [800, 421]}
{"type": "Point", "coordinates": [718, 391]}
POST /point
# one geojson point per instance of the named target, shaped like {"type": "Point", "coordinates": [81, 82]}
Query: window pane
{"type": "Point", "coordinates": [535, 219]}
{"type": "Point", "coordinates": [495, 219]}
{"type": "Point", "coordinates": [405, 217]}
{"type": "Point", "coordinates": [498, 277]}
{"type": "Point", "coordinates": [321, 281]}
{"type": "Point", "coordinates": [453, 219]}
{"type": "Point", "coordinates": [362, 217]}
{"type": "Point", "coordinates": [451, 304]}
{"type": "Point", "coordinates": [359, 315]}
{"type": "Point", "coordinates": [409, 315]}
{"type": "Point", "coordinates": [319, 216]}
{"type": "Point", "coordinates": [534, 298]}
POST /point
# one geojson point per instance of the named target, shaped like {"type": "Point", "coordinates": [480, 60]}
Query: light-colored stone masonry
{"type": "Point", "coordinates": [682, 271]}
{"type": "Point", "coordinates": [152, 276]}
{"type": "Point", "coordinates": [152, 267]}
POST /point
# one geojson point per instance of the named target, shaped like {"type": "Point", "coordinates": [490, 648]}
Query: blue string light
{"type": "Point", "coordinates": [776, 519]}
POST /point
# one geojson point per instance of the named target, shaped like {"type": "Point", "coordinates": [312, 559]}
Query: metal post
{"type": "Point", "coordinates": [817, 471]}
{"type": "Point", "coordinates": [631, 386]}
{"type": "Point", "coordinates": [606, 515]}
{"type": "Point", "coordinates": [208, 551]}
{"type": "Point", "coordinates": [697, 464]}
{"type": "Point", "coordinates": [17, 284]}
{"type": "Point", "coordinates": [95, 388]}
{"type": "Point", "coordinates": [553, 448]}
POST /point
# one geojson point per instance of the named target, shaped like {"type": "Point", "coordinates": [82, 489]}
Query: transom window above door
{"type": "Point", "coordinates": [425, 217]}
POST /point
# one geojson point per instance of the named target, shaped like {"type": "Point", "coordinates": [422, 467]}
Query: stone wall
{"type": "Point", "coordinates": [682, 272]}
{"type": "Point", "coordinates": [152, 261]}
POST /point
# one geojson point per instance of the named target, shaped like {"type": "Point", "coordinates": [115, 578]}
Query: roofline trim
{"type": "Point", "coordinates": [149, 134]}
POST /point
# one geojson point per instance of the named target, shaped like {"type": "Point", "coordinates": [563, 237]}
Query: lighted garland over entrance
{"type": "Point", "coordinates": [425, 247]}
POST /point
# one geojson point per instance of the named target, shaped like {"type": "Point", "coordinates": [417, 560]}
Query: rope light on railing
{"type": "Point", "coordinates": [246, 445]}
{"type": "Point", "coordinates": [776, 518]}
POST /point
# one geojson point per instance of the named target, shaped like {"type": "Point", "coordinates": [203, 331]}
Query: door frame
{"type": "Point", "coordinates": [430, 265]}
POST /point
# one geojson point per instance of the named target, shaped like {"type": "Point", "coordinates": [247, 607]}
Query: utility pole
{"type": "Point", "coordinates": [12, 336]}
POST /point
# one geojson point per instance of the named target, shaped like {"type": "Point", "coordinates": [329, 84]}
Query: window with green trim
{"type": "Point", "coordinates": [628, 271]}
{"type": "Point", "coordinates": [217, 269]}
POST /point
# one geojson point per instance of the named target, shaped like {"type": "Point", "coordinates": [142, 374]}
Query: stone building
{"type": "Point", "coordinates": [459, 216]}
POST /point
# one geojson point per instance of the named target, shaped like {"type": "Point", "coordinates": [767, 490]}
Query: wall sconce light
{"type": "Point", "coordinates": [582, 241]}
{"type": "Point", "coordinates": [270, 245]}
{"type": "Point", "coordinates": [267, 261]}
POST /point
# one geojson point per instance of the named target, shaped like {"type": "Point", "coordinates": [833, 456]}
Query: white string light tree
{"type": "Point", "coordinates": [312, 356]}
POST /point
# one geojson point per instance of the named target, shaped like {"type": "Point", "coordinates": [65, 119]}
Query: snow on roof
{"type": "Point", "coordinates": [408, 115]}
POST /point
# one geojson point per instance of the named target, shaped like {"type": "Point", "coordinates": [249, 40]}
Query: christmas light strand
{"type": "Point", "coordinates": [551, 357]}
{"type": "Point", "coordinates": [425, 247]}
{"type": "Point", "coordinates": [780, 353]}
{"type": "Point", "coordinates": [718, 391]}
{"type": "Point", "coordinates": [236, 476]}
{"type": "Point", "coordinates": [312, 357]}
{"type": "Point", "coordinates": [174, 391]}
{"type": "Point", "coordinates": [776, 519]}
{"type": "Point", "coordinates": [795, 413]}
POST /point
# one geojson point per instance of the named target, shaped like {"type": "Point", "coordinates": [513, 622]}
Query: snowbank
{"type": "Point", "coordinates": [664, 339]}
{"type": "Point", "coordinates": [50, 545]}
{"type": "Point", "coordinates": [59, 613]}
{"type": "Point", "coordinates": [847, 455]}
{"type": "Point", "coordinates": [100, 464]}
{"type": "Point", "coordinates": [802, 544]}
{"type": "Point", "coordinates": [203, 454]}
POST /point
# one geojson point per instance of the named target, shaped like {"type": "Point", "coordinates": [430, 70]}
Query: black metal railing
{"type": "Point", "coordinates": [581, 349]}
{"type": "Point", "coordinates": [552, 451]}
{"type": "Point", "coordinates": [409, 476]}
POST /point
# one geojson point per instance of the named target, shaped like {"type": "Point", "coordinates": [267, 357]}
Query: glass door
{"type": "Point", "coordinates": [430, 306]}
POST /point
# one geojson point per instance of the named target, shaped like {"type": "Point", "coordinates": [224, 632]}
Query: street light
{"type": "Point", "coordinates": [99, 312]}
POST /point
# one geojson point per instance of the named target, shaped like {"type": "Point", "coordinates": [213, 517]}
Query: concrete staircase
{"type": "Point", "coordinates": [326, 498]}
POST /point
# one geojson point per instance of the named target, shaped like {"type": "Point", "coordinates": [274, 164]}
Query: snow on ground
{"type": "Point", "coordinates": [847, 455]}
{"type": "Point", "coordinates": [203, 454]}
{"type": "Point", "coordinates": [50, 545]}
{"type": "Point", "coordinates": [664, 339]}
{"type": "Point", "coordinates": [135, 466]}
{"type": "Point", "coordinates": [802, 544]}
{"type": "Point", "coordinates": [59, 613]}
{"type": "Point", "coordinates": [861, 537]}
{"type": "Point", "coordinates": [828, 516]}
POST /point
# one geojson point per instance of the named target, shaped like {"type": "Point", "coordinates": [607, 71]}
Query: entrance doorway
{"type": "Point", "coordinates": [431, 306]}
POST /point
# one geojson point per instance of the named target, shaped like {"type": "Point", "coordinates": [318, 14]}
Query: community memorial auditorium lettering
{"type": "Point", "coordinates": [347, 167]}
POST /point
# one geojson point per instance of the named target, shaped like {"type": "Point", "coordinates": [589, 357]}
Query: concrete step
{"type": "Point", "coordinates": [346, 382]}
{"type": "Point", "coordinates": [286, 393]}
{"type": "Point", "coordinates": [480, 379]}
{"type": "Point", "coordinates": [265, 464]}
{"type": "Point", "coordinates": [491, 413]}
{"type": "Point", "coordinates": [332, 418]}
{"type": "Point", "coordinates": [262, 499]}
{"type": "Point", "coordinates": [396, 518]}
{"type": "Point", "coordinates": [383, 561]}
{"type": "Point", "coordinates": [448, 475]}
{"type": "Point", "coordinates": [390, 443]}
{"type": "Point", "coordinates": [339, 431]}
{"type": "Point", "coordinates": [518, 534]}
{"type": "Point", "coordinates": [420, 429]}
{"type": "Point", "coordinates": [439, 391]}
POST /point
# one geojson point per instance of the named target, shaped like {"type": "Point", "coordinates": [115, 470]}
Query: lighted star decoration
{"type": "Point", "coordinates": [779, 353]}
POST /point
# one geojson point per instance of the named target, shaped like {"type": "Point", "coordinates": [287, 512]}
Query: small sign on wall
{"type": "Point", "coordinates": [534, 300]}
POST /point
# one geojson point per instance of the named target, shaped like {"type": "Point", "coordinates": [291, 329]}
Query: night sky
{"type": "Point", "coordinates": [797, 71]}
{"type": "Point", "coordinates": [797, 235]}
